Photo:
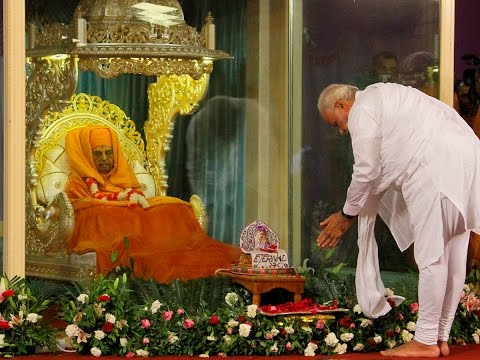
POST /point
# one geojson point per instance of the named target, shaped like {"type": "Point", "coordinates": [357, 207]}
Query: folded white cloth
{"type": "Point", "coordinates": [371, 292]}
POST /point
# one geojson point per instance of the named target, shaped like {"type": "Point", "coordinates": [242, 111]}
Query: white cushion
{"type": "Point", "coordinates": [52, 180]}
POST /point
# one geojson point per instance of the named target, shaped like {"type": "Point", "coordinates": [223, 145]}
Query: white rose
{"type": "Point", "coordinates": [406, 336]}
{"type": "Point", "coordinates": [204, 355]}
{"type": "Point", "coordinates": [143, 353]}
{"type": "Point", "coordinates": [71, 330]}
{"type": "Point", "coordinates": [310, 349]}
{"type": "Point", "coordinates": [359, 347]}
{"type": "Point", "coordinates": [33, 318]}
{"type": "Point", "coordinates": [357, 309]}
{"type": "Point", "coordinates": [232, 323]}
{"type": "Point", "coordinates": [377, 339]}
{"type": "Point", "coordinates": [95, 351]}
{"type": "Point", "coordinates": [231, 298]}
{"type": "Point", "coordinates": [211, 338]}
{"type": "Point", "coordinates": [99, 334]}
{"type": "Point", "coordinates": [227, 339]}
{"type": "Point", "coordinates": [252, 310]}
{"type": "Point", "coordinates": [2, 340]}
{"type": "Point", "coordinates": [391, 344]}
{"type": "Point", "coordinates": [331, 339]}
{"type": "Point", "coordinates": [346, 337]}
{"type": "Point", "coordinates": [389, 292]}
{"type": "Point", "coordinates": [340, 349]}
{"type": "Point", "coordinates": [274, 347]}
{"type": "Point", "coordinates": [289, 330]}
{"type": "Point", "coordinates": [22, 297]}
{"type": "Point", "coordinates": [172, 338]}
{"type": "Point", "coordinates": [123, 342]}
{"type": "Point", "coordinates": [274, 332]}
{"type": "Point", "coordinates": [244, 330]}
{"type": "Point", "coordinates": [411, 326]}
{"type": "Point", "coordinates": [82, 298]}
{"type": "Point", "coordinates": [110, 318]}
{"type": "Point", "coordinates": [307, 329]}
{"type": "Point", "coordinates": [476, 338]}
{"type": "Point", "coordinates": [155, 306]}
{"type": "Point", "coordinates": [365, 323]}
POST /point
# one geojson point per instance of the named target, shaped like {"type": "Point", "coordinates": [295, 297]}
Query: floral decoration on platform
{"type": "Point", "coordinates": [22, 328]}
{"type": "Point", "coordinates": [105, 318]}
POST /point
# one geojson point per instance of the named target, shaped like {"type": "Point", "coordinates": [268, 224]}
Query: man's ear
{"type": "Point", "coordinates": [344, 104]}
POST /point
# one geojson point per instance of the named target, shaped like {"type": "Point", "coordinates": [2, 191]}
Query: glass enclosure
{"type": "Point", "coordinates": [365, 42]}
{"type": "Point", "coordinates": [256, 148]}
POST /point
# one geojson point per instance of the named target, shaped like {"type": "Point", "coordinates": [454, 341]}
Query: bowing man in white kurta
{"type": "Point", "coordinates": [417, 164]}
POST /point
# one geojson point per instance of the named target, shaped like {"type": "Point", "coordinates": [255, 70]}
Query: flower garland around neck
{"type": "Point", "coordinates": [132, 195]}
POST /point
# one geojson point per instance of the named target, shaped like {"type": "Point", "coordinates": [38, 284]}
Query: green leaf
{"type": "Point", "coordinates": [114, 256]}
{"type": "Point", "coordinates": [126, 243]}
{"type": "Point", "coordinates": [115, 284]}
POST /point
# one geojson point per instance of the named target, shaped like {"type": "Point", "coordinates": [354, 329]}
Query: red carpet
{"type": "Point", "coordinates": [467, 352]}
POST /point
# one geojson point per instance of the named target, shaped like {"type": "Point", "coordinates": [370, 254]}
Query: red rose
{"type": "Point", "coordinates": [214, 320]}
{"type": "Point", "coordinates": [371, 342]}
{"type": "Point", "coordinates": [400, 316]}
{"type": "Point", "coordinates": [4, 325]}
{"type": "Point", "coordinates": [283, 332]}
{"type": "Point", "coordinates": [345, 322]}
{"type": "Point", "coordinates": [107, 327]}
{"type": "Point", "coordinates": [242, 319]}
{"type": "Point", "coordinates": [103, 297]}
{"type": "Point", "coordinates": [8, 293]}
{"type": "Point", "coordinates": [390, 333]}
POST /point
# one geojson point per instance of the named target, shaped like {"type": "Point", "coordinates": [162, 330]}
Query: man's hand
{"type": "Point", "coordinates": [333, 229]}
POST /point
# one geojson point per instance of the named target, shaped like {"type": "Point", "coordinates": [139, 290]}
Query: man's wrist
{"type": "Point", "coordinates": [349, 217]}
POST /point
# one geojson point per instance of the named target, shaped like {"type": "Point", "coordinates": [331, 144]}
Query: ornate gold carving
{"type": "Point", "coordinates": [168, 97]}
{"type": "Point", "coordinates": [200, 212]}
{"type": "Point", "coordinates": [85, 110]}
{"type": "Point", "coordinates": [49, 39]}
{"type": "Point", "coordinates": [51, 80]}
{"type": "Point", "coordinates": [111, 67]}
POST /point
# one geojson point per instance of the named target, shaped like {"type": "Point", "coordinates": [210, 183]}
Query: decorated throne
{"type": "Point", "coordinates": [46, 253]}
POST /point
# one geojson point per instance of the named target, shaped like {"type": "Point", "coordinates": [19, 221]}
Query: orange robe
{"type": "Point", "coordinates": [165, 240]}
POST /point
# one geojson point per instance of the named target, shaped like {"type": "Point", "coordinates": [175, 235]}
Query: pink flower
{"type": "Point", "coordinates": [180, 311]}
{"type": "Point", "coordinates": [414, 307]}
{"type": "Point", "coordinates": [146, 341]}
{"type": "Point", "coordinates": [288, 346]}
{"type": "Point", "coordinates": [229, 331]}
{"type": "Point", "coordinates": [400, 316]}
{"type": "Point", "coordinates": [130, 354]}
{"type": "Point", "coordinates": [352, 325]}
{"type": "Point", "coordinates": [269, 336]}
{"type": "Point", "coordinates": [189, 323]}
{"type": "Point", "coordinates": [320, 324]}
{"type": "Point", "coordinates": [167, 315]}
{"type": "Point", "coordinates": [145, 323]}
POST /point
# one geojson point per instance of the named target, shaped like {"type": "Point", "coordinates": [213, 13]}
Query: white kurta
{"type": "Point", "coordinates": [410, 150]}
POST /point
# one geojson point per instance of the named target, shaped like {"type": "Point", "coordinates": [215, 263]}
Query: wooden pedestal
{"type": "Point", "coordinates": [260, 284]}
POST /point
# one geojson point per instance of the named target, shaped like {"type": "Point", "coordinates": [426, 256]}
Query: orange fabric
{"type": "Point", "coordinates": [166, 241]}
{"type": "Point", "coordinates": [100, 137]}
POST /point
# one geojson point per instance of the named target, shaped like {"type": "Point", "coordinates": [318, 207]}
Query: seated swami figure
{"type": "Point", "coordinates": [165, 240]}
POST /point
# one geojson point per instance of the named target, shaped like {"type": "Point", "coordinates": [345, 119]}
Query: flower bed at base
{"type": "Point", "coordinates": [103, 320]}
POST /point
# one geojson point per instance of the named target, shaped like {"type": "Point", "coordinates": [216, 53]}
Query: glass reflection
{"type": "Point", "coordinates": [373, 41]}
